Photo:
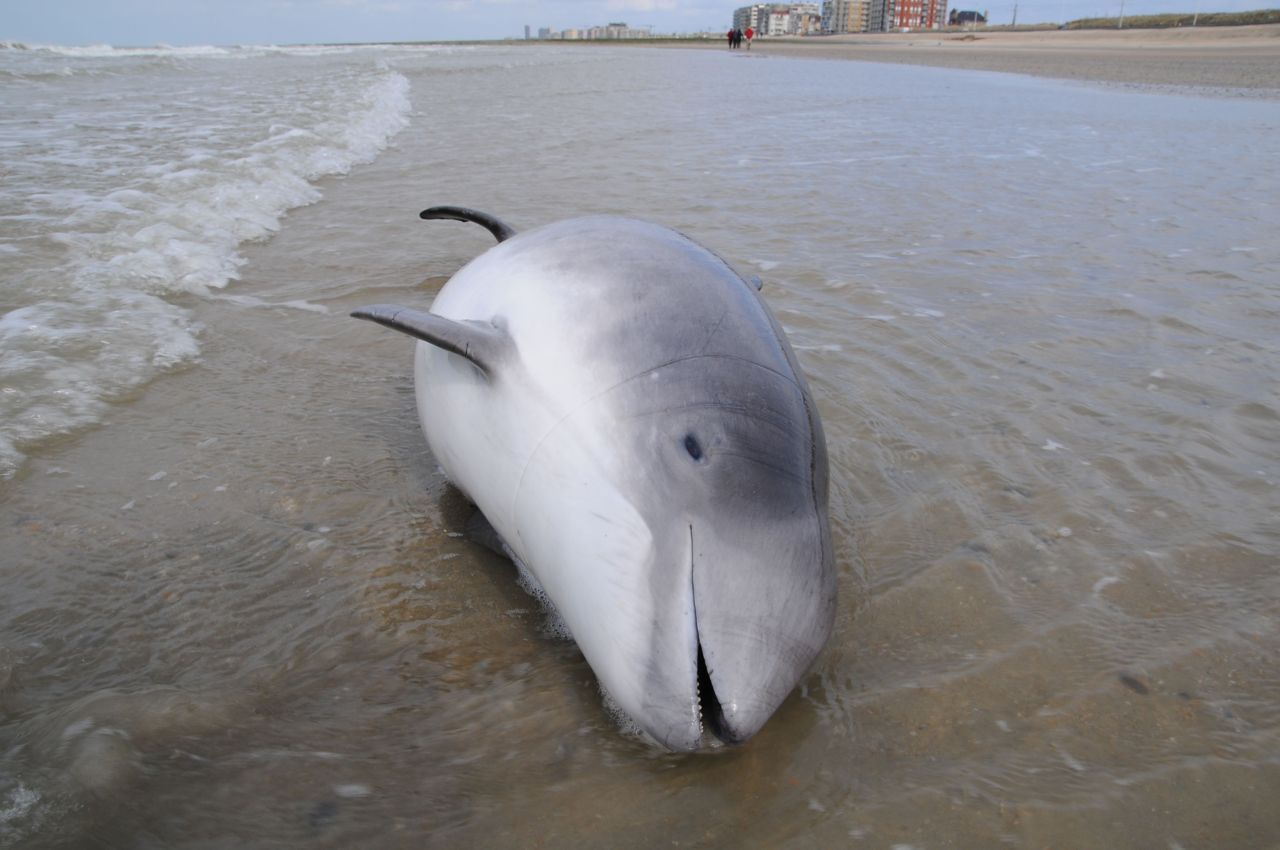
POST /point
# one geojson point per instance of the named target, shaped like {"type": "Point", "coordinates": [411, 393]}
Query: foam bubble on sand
{"type": "Point", "coordinates": [353, 790]}
{"type": "Point", "coordinates": [1104, 582]}
{"type": "Point", "coordinates": [293, 304]}
{"type": "Point", "coordinates": [15, 804]}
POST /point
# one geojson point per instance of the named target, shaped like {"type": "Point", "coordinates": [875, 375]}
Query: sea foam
{"type": "Point", "coordinates": [119, 204]}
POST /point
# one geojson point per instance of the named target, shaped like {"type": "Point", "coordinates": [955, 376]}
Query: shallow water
{"type": "Point", "coordinates": [1039, 319]}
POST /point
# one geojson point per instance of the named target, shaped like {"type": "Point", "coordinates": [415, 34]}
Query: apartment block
{"type": "Point", "coordinates": [891, 15]}
{"type": "Point", "coordinates": [845, 16]}
{"type": "Point", "coordinates": [751, 16]}
{"type": "Point", "coordinates": [779, 18]}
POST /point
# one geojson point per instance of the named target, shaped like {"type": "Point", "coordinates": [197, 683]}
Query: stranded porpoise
{"type": "Point", "coordinates": [630, 418]}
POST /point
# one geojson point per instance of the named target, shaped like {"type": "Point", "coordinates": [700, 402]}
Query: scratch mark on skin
{"type": "Point", "coordinates": [714, 330]}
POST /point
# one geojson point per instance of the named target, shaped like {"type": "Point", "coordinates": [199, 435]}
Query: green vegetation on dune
{"type": "Point", "coordinates": [1205, 19]}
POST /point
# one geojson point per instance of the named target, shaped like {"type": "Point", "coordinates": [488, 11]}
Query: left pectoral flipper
{"type": "Point", "coordinates": [480, 342]}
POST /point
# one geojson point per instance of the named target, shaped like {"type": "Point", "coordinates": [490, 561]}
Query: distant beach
{"type": "Point", "coordinates": [1244, 58]}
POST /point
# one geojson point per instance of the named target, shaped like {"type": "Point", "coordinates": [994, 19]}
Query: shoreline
{"type": "Point", "coordinates": [1242, 60]}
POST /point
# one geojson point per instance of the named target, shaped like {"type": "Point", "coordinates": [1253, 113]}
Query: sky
{"type": "Point", "coordinates": [229, 22]}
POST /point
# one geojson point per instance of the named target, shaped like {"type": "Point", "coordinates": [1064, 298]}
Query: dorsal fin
{"type": "Point", "coordinates": [480, 342]}
{"type": "Point", "coordinates": [500, 231]}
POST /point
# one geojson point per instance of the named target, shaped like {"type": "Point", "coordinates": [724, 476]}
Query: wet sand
{"type": "Point", "coordinates": [243, 610]}
{"type": "Point", "coordinates": [1246, 59]}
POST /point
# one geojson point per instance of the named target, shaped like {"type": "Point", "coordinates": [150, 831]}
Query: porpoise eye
{"type": "Point", "coordinates": [693, 447]}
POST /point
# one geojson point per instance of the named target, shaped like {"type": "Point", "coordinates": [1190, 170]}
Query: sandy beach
{"type": "Point", "coordinates": [1246, 59]}
{"type": "Point", "coordinates": [1039, 317]}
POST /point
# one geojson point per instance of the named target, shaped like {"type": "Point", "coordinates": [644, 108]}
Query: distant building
{"type": "Point", "coordinates": [777, 21]}
{"type": "Point", "coordinates": [751, 17]}
{"type": "Point", "coordinates": [845, 15]}
{"type": "Point", "coordinates": [806, 19]}
{"type": "Point", "coordinates": [610, 31]}
{"type": "Point", "coordinates": [892, 15]}
{"type": "Point", "coordinates": [621, 30]}
{"type": "Point", "coordinates": [526, 32]}
{"type": "Point", "coordinates": [779, 18]}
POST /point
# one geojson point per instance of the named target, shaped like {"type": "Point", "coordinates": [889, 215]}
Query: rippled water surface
{"type": "Point", "coordinates": [1039, 319]}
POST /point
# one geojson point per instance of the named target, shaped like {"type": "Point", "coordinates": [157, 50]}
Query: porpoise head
{"type": "Point", "coordinates": [695, 497]}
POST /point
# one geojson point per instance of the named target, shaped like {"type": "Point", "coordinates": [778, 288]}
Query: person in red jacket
{"type": "Point", "coordinates": [750, 33]}
{"type": "Point", "coordinates": [729, 35]}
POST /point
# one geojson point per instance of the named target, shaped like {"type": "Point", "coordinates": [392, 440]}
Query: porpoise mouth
{"type": "Point", "coordinates": [710, 708]}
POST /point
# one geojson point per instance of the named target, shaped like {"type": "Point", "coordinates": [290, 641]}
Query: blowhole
{"type": "Point", "coordinates": [693, 447]}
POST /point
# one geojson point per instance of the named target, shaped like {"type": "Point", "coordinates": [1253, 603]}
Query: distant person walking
{"type": "Point", "coordinates": [750, 34]}
{"type": "Point", "coordinates": [729, 35]}
{"type": "Point", "coordinates": [737, 38]}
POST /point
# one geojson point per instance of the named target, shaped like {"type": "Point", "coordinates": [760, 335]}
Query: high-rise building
{"type": "Point", "coordinates": [751, 16]}
{"type": "Point", "coordinates": [890, 15]}
{"type": "Point", "coordinates": [777, 21]}
{"type": "Point", "coordinates": [845, 15]}
{"type": "Point", "coordinates": [779, 18]}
